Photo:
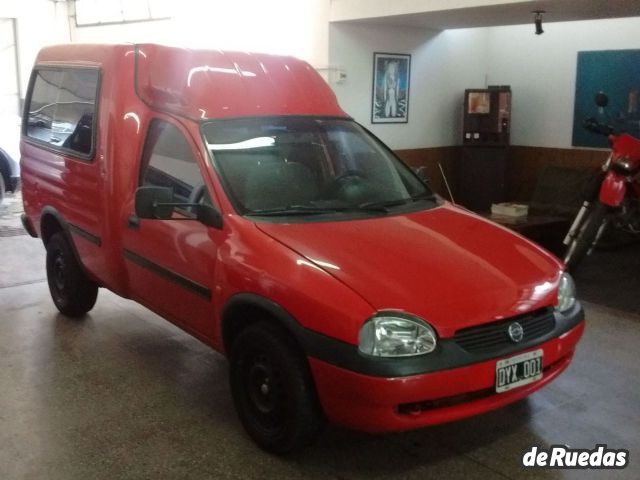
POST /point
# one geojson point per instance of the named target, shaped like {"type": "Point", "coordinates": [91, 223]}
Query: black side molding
{"type": "Point", "coordinates": [170, 275]}
{"type": "Point", "coordinates": [84, 234]}
{"type": "Point", "coordinates": [448, 353]}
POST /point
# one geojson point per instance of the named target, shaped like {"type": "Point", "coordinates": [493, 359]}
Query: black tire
{"type": "Point", "coordinates": [72, 292]}
{"type": "Point", "coordinates": [2, 187]}
{"type": "Point", "coordinates": [272, 389]}
{"type": "Point", "coordinates": [581, 243]}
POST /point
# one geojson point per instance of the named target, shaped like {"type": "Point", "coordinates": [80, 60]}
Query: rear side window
{"type": "Point", "coordinates": [62, 108]}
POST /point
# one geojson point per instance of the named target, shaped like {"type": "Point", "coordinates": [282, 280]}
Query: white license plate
{"type": "Point", "coordinates": [518, 370]}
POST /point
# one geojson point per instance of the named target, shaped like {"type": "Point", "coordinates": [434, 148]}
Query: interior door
{"type": "Point", "coordinates": [171, 263]}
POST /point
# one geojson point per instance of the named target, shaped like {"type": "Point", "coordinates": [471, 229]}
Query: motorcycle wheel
{"type": "Point", "coordinates": [582, 242]}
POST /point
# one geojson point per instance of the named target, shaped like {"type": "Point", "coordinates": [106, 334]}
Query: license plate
{"type": "Point", "coordinates": [518, 370]}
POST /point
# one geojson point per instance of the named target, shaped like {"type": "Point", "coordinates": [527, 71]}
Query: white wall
{"type": "Point", "coordinates": [38, 23]}
{"type": "Point", "coordinates": [541, 70]}
{"type": "Point", "coordinates": [357, 9]}
{"type": "Point", "coordinates": [288, 27]}
{"type": "Point", "coordinates": [443, 64]}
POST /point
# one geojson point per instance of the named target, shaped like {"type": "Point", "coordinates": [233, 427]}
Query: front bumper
{"type": "Point", "coordinates": [392, 403]}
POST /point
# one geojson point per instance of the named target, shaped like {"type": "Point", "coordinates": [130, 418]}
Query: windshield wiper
{"type": "Point", "coordinates": [294, 210]}
{"type": "Point", "coordinates": [382, 205]}
{"type": "Point", "coordinates": [423, 196]}
{"type": "Point", "coordinates": [311, 210]}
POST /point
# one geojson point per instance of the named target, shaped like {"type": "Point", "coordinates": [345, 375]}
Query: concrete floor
{"type": "Point", "coordinates": [123, 394]}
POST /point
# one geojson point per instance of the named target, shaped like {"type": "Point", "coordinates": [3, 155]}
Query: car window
{"type": "Point", "coordinates": [169, 161]}
{"type": "Point", "coordinates": [314, 165]}
{"type": "Point", "coordinates": [62, 107]}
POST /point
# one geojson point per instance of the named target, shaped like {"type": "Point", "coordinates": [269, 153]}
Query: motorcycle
{"type": "Point", "coordinates": [613, 196]}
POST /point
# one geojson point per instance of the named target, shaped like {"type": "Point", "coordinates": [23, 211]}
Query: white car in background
{"type": "Point", "coordinates": [9, 154]}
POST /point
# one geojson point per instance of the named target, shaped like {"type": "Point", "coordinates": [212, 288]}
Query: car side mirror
{"type": "Point", "coordinates": [209, 216]}
{"type": "Point", "coordinates": [154, 203]}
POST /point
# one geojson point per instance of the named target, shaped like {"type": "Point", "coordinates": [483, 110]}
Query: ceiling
{"type": "Point", "coordinates": [511, 14]}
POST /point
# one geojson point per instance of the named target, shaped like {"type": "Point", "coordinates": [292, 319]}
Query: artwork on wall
{"type": "Point", "coordinates": [617, 74]}
{"type": "Point", "coordinates": [390, 97]}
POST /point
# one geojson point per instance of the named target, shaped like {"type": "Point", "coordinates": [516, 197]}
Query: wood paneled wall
{"type": "Point", "coordinates": [526, 164]}
{"type": "Point", "coordinates": [523, 169]}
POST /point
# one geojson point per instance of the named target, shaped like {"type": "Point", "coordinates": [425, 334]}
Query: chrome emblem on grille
{"type": "Point", "coordinates": [515, 332]}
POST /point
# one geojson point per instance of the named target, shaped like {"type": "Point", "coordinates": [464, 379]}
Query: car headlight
{"type": "Point", "coordinates": [566, 293]}
{"type": "Point", "coordinates": [395, 334]}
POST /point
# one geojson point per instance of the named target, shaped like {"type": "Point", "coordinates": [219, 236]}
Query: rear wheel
{"type": "Point", "coordinates": [586, 235]}
{"type": "Point", "coordinates": [72, 292]}
{"type": "Point", "coordinates": [272, 389]}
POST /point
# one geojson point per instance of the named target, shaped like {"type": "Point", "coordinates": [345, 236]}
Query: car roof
{"type": "Point", "coordinates": [209, 84]}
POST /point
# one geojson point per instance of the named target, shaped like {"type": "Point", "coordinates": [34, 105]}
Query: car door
{"type": "Point", "coordinates": [171, 263]}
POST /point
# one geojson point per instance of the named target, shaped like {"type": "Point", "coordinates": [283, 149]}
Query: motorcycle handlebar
{"type": "Point", "coordinates": [594, 126]}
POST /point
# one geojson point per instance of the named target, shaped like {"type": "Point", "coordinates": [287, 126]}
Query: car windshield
{"type": "Point", "coordinates": [283, 166]}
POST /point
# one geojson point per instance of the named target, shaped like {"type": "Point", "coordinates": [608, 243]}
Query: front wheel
{"type": "Point", "coordinates": [2, 187]}
{"type": "Point", "coordinates": [272, 389]}
{"type": "Point", "coordinates": [72, 292]}
{"type": "Point", "coordinates": [587, 234]}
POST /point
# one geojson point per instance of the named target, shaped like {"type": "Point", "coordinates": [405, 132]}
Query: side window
{"type": "Point", "coordinates": [62, 107]}
{"type": "Point", "coordinates": [168, 161]}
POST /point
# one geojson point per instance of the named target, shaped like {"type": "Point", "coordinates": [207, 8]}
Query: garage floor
{"type": "Point", "coordinates": [123, 394]}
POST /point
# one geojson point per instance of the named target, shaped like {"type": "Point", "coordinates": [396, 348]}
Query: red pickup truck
{"type": "Point", "coordinates": [229, 193]}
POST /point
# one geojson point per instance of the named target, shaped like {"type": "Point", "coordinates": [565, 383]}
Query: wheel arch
{"type": "Point", "coordinates": [5, 169]}
{"type": "Point", "coordinates": [52, 222]}
{"type": "Point", "coordinates": [244, 309]}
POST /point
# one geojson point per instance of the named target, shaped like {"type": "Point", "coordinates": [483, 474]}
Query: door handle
{"type": "Point", "coordinates": [133, 221]}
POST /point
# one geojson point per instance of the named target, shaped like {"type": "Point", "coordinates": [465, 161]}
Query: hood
{"type": "Point", "coordinates": [446, 265]}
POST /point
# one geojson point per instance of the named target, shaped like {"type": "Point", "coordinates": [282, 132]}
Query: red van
{"type": "Point", "coordinates": [229, 193]}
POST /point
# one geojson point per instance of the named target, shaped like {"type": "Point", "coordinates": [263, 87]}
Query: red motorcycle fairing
{"type": "Point", "coordinates": [613, 189]}
{"type": "Point", "coordinates": [624, 145]}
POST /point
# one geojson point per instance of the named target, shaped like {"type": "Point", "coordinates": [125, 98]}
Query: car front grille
{"type": "Point", "coordinates": [495, 336]}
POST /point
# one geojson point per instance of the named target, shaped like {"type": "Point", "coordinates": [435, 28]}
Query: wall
{"type": "Point", "coordinates": [443, 64]}
{"type": "Point", "coordinates": [541, 70]}
{"type": "Point", "coordinates": [288, 27]}
{"type": "Point", "coordinates": [358, 9]}
{"type": "Point", "coordinates": [38, 23]}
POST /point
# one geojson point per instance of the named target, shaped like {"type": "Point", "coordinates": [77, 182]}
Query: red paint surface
{"type": "Point", "coordinates": [613, 189]}
{"type": "Point", "coordinates": [445, 264]}
{"type": "Point", "coordinates": [370, 403]}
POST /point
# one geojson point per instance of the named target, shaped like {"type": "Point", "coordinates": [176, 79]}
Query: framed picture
{"type": "Point", "coordinates": [390, 97]}
{"type": "Point", "coordinates": [616, 73]}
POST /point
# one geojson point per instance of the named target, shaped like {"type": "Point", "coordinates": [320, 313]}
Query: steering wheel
{"type": "Point", "coordinates": [350, 186]}
{"type": "Point", "coordinates": [349, 173]}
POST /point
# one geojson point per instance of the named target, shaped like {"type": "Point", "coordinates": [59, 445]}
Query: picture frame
{"type": "Point", "coordinates": [616, 73]}
{"type": "Point", "coordinates": [390, 91]}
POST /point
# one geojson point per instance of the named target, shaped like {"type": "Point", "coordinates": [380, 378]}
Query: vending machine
{"type": "Point", "coordinates": [481, 167]}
